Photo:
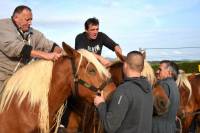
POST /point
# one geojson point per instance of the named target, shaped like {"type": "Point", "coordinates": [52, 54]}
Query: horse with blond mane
{"type": "Point", "coordinates": [87, 121]}
{"type": "Point", "coordinates": [32, 99]}
{"type": "Point", "coordinates": [189, 110]}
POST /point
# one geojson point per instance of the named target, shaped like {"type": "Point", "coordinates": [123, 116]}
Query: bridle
{"type": "Point", "coordinates": [87, 85]}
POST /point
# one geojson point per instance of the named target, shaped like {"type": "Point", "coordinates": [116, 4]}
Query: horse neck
{"type": "Point", "coordinates": [116, 71]}
{"type": "Point", "coordinates": [61, 84]}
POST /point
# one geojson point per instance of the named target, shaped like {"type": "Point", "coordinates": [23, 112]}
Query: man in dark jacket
{"type": "Point", "coordinates": [167, 74]}
{"type": "Point", "coordinates": [131, 106]}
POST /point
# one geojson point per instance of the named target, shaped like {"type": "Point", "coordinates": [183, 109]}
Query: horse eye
{"type": "Point", "coordinates": [92, 71]}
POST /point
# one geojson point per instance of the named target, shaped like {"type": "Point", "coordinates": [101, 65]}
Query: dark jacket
{"type": "Point", "coordinates": [130, 109]}
{"type": "Point", "coordinates": [166, 122]}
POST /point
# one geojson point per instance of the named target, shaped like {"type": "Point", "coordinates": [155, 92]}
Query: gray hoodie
{"type": "Point", "coordinates": [130, 109]}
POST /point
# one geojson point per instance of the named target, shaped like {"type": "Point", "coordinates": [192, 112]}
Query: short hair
{"type": "Point", "coordinates": [172, 66]}
{"type": "Point", "coordinates": [93, 21]}
{"type": "Point", "coordinates": [135, 60]}
{"type": "Point", "coordinates": [20, 8]}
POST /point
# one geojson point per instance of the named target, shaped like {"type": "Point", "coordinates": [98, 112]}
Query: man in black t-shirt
{"type": "Point", "coordinates": [93, 41]}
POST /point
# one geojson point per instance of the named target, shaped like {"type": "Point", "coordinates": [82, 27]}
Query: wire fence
{"type": "Point", "coordinates": [175, 53]}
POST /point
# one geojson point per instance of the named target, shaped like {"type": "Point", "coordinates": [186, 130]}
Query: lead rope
{"type": "Point", "coordinates": [94, 121]}
{"type": "Point", "coordinates": [180, 123]}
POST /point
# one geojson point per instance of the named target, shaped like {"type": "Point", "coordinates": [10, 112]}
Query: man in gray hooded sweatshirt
{"type": "Point", "coordinates": [131, 105]}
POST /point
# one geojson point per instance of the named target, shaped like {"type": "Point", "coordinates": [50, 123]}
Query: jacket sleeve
{"type": "Point", "coordinates": [113, 115]}
{"type": "Point", "coordinates": [108, 42]}
{"type": "Point", "coordinates": [78, 43]}
{"type": "Point", "coordinates": [11, 44]}
{"type": "Point", "coordinates": [42, 43]}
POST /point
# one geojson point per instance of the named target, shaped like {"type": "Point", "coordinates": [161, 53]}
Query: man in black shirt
{"type": "Point", "coordinates": [93, 41]}
{"type": "Point", "coordinates": [131, 105]}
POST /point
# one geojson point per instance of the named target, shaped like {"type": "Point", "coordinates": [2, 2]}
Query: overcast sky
{"type": "Point", "coordinates": [133, 24]}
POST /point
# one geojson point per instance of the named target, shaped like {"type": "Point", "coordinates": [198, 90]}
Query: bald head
{"type": "Point", "coordinates": [135, 60]}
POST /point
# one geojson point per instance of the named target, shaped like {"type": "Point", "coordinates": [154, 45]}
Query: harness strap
{"type": "Point", "coordinates": [93, 88]}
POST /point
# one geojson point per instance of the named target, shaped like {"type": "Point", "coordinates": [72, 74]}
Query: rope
{"type": "Point", "coordinates": [180, 123]}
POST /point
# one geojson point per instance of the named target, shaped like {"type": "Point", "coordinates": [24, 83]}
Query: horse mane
{"type": "Point", "coordinates": [182, 81]}
{"type": "Point", "coordinates": [31, 82]}
{"type": "Point", "coordinates": [148, 72]}
{"type": "Point", "coordinates": [91, 58]}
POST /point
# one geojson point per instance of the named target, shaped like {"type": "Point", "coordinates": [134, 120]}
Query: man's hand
{"type": "Point", "coordinates": [57, 49]}
{"type": "Point", "coordinates": [99, 99]}
{"type": "Point", "coordinates": [52, 56]}
{"type": "Point", "coordinates": [45, 55]}
{"type": "Point", "coordinates": [118, 50]}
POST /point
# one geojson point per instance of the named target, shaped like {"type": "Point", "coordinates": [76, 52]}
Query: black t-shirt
{"type": "Point", "coordinates": [95, 46]}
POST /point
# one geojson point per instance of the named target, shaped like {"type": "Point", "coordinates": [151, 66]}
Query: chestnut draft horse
{"type": "Point", "coordinates": [33, 95]}
{"type": "Point", "coordinates": [83, 120]}
{"type": "Point", "coordinates": [189, 111]}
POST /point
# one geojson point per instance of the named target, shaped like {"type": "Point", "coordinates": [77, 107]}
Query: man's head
{"type": "Point", "coordinates": [134, 63]}
{"type": "Point", "coordinates": [22, 16]}
{"type": "Point", "coordinates": [167, 69]}
{"type": "Point", "coordinates": [92, 28]}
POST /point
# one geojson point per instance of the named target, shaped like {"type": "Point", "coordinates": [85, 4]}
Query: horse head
{"type": "Point", "coordinates": [90, 76]}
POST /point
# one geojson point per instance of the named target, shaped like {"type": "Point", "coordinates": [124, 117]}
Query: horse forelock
{"type": "Point", "coordinates": [31, 82]}
{"type": "Point", "coordinates": [92, 59]}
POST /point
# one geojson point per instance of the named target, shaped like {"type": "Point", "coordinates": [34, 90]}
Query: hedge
{"type": "Point", "coordinates": [187, 66]}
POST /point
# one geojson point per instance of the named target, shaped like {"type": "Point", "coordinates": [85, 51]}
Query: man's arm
{"type": "Point", "coordinates": [27, 52]}
{"type": "Point", "coordinates": [118, 50]}
{"type": "Point", "coordinates": [109, 43]}
{"type": "Point", "coordinates": [103, 60]}
{"type": "Point", "coordinates": [119, 104]}
{"type": "Point", "coordinates": [44, 55]}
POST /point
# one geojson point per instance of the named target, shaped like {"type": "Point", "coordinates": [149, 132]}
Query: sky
{"type": "Point", "coordinates": [166, 29]}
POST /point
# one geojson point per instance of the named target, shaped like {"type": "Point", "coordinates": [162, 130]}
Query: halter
{"type": "Point", "coordinates": [78, 81]}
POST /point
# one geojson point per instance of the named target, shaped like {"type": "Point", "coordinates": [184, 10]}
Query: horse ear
{"type": "Point", "coordinates": [69, 50]}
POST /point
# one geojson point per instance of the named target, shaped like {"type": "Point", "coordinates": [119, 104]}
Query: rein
{"type": "Point", "coordinates": [185, 114]}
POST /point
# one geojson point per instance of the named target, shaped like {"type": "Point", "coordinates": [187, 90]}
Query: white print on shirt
{"type": "Point", "coordinates": [120, 98]}
{"type": "Point", "coordinates": [94, 49]}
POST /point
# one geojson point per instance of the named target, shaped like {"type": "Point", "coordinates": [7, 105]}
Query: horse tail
{"type": "Point", "coordinates": [182, 81]}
